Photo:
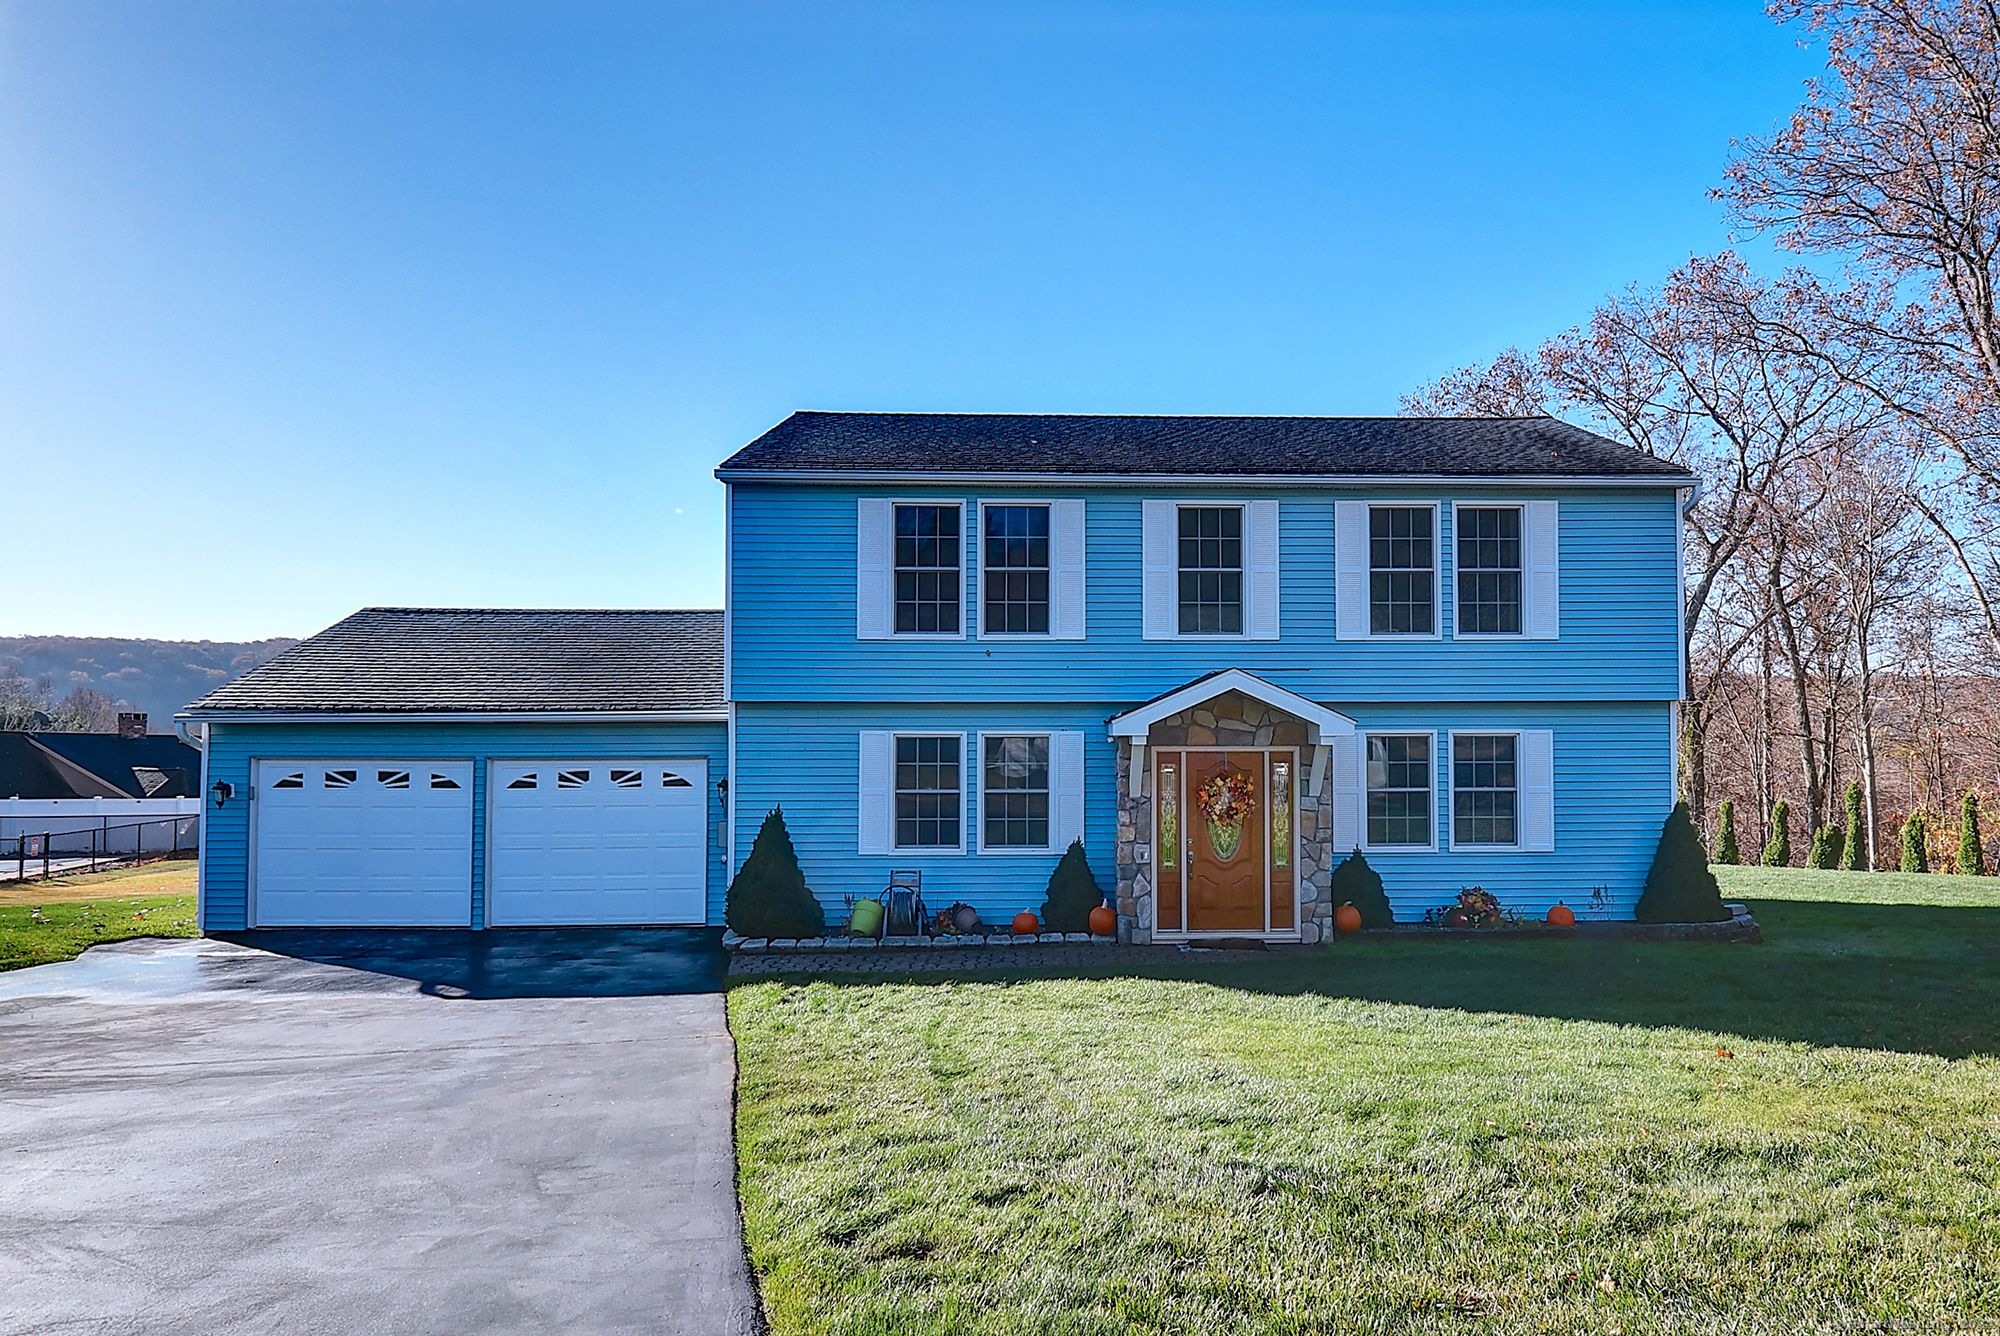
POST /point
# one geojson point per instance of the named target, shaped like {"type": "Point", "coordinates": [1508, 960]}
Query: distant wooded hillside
{"type": "Point", "coordinates": [157, 676]}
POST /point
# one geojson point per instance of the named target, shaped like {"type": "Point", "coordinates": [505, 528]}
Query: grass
{"type": "Point", "coordinates": [1398, 1136]}
{"type": "Point", "coordinates": [59, 919]}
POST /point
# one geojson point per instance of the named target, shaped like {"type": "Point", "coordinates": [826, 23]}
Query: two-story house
{"type": "Point", "coordinates": [1222, 652]}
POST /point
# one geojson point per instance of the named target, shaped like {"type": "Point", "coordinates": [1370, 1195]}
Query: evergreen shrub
{"type": "Point", "coordinates": [1778, 853]}
{"type": "Point", "coordinates": [1680, 888]}
{"type": "Point", "coordinates": [1725, 840]}
{"type": "Point", "coordinates": [1971, 851]}
{"type": "Point", "coordinates": [768, 897]}
{"type": "Point", "coordinates": [1355, 883]}
{"type": "Point", "coordinates": [1829, 843]}
{"type": "Point", "coordinates": [1855, 857]}
{"type": "Point", "coordinates": [1916, 856]}
{"type": "Point", "coordinates": [1072, 893]}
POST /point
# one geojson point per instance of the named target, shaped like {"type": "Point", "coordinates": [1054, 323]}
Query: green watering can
{"type": "Point", "coordinates": [866, 920]}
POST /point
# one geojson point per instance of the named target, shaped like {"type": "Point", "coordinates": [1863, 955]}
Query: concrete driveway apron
{"type": "Point", "coordinates": [373, 1132]}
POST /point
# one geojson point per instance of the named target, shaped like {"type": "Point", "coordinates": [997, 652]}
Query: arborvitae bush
{"type": "Point", "coordinates": [769, 898]}
{"type": "Point", "coordinates": [1073, 893]}
{"type": "Point", "coordinates": [1778, 853]}
{"type": "Point", "coordinates": [1725, 840]}
{"type": "Point", "coordinates": [1355, 883]}
{"type": "Point", "coordinates": [1680, 888]}
{"type": "Point", "coordinates": [1916, 856]}
{"type": "Point", "coordinates": [1829, 843]}
{"type": "Point", "coordinates": [1971, 853]}
{"type": "Point", "coordinates": [1855, 857]}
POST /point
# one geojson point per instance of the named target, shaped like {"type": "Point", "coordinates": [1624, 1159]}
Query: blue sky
{"type": "Point", "coordinates": [306, 306]}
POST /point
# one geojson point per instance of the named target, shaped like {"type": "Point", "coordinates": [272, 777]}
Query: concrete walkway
{"type": "Point", "coordinates": [206, 1137]}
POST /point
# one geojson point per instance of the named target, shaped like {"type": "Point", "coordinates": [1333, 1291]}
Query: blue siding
{"type": "Point", "coordinates": [793, 583]}
{"type": "Point", "coordinates": [1613, 789]}
{"type": "Point", "coordinates": [232, 748]}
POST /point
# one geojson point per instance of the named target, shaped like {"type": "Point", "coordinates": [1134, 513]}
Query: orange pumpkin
{"type": "Point", "coordinates": [1103, 922]}
{"type": "Point", "coordinates": [1347, 918]}
{"type": "Point", "coordinates": [1026, 924]}
{"type": "Point", "coordinates": [1562, 916]}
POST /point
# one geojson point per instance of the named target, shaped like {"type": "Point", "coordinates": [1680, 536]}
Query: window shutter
{"type": "Point", "coordinates": [1542, 618]}
{"type": "Point", "coordinates": [1350, 570]}
{"type": "Point", "coordinates": [1065, 789]}
{"type": "Point", "coordinates": [1160, 593]}
{"type": "Point", "coordinates": [1347, 795]}
{"type": "Point", "coordinates": [1260, 574]}
{"type": "Point", "coordinates": [1538, 790]}
{"type": "Point", "coordinates": [874, 574]}
{"type": "Point", "coordinates": [1066, 618]}
{"type": "Point", "coordinates": [878, 780]}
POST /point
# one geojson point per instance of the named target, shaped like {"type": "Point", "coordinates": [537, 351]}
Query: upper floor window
{"type": "Point", "coordinates": [1014, 573]}
{"type": "Point", "coordinates": [1484, 790]}
{"type": "Point", "coordinates": [1489, 571]}
{"type": "Point", "coordinates": [1399, 789]}
{"type": "Point", "coordinates": [928, 790]}
{"type": "Point", "coordinates": [1211, 570]}
{"type": "Point", "coordinates": [1015, 793]}
{"type": "Point", "coordinates": [1402, 569]}
{"type": "Point", "coordinates": [927, 570]}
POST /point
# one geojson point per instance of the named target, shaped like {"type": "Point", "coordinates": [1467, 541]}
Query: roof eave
{"type": "Point", "coordinates": [252, 715]}
{"type": "Point", "coordinates": [928, 477]}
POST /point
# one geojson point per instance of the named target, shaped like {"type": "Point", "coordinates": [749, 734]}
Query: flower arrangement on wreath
{"type": "Point", "coordinates": [1227, 799]}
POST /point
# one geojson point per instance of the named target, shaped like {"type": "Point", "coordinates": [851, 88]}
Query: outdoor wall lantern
{"type": "Point", "coordinates": [223, 792]}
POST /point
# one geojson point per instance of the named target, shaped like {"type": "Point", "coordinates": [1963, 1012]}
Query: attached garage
{"type": "Point", "coordinates": [425, 768]}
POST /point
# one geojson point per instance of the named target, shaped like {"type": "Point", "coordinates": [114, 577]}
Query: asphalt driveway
{"type": "Point", "coordinates": [373, 1133]}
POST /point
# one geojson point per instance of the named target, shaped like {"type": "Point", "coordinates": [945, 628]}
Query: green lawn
{"type": "Point", "coordinates": [1401, 1136]}
{"type": "Point", "coordinates": [154, 900]}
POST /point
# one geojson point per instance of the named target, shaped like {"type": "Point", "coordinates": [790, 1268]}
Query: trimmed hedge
{"type": "Point", "coordinates": [1072, 893]}
{"type": "Point", "coordinates": [1778, 853]}
{"type": "Point", "coordinates": [1971, 850]}
{"type": "Point", "coordinates": [1355, 883]}
{"type": "Point", "coordinates": [1916, 856]}
{"type": "Point", "coordinates": [768, 897]}
{"type": "Point", "coordinates": [1829, 843]}
{"type": "Point", "coordinates": [1680, 888]}
{"type": "Point", "coordinates": [1854, 858]}
{"type": "Point", "coordinates": [1725, 840]}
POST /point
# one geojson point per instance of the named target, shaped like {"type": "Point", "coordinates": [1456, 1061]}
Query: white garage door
{"type": "Point", "coordinates": [353, 844]}
{"type": "Point", "coordinates": [577, 842]}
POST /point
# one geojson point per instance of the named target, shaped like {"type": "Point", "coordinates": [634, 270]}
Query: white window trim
{"type": "Point", "coordinates": [1055, 598]}
{"type": "Point", "coordinates": [1244, 598]}
{"type": "Point", "coordinates": [1364, 735]}
{"type": "Point", "coordinates": [965, 601]}
{"type": "Point", "coordinates": [1521, 509]}
{"type": "Point", "coordinates": [1438, 608]}
{"type": "Point", "coordinates": [1451, 789]}
{"type": "Point", "coordinates": [1018, 850]}
{"type": "Point", "coordinates": [966, 790]}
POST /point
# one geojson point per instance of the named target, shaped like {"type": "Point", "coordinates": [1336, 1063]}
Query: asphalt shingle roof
{"type": "Point", "coordinates": [482, 660]}
{"type": "Point", "coordinates": [1301, 447]}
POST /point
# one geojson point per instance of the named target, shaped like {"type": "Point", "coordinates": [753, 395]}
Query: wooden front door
{"type": "Point", "coordinates": [1225, 860]}
{"type": "Point", "coordinates": [1224, 877]}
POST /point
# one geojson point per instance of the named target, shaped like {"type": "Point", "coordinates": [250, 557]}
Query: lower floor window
{"type": "Point", "coordinates": [1484, 790]}
{"type": "Point", "coordinates": [928, 788]}
{"type": "Point", "coordinates": [1015, 792]}
{"type": "Point", "coordinates": [1399, 789]}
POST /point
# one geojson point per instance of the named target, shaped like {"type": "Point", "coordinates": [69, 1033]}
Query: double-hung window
{"type": "Point", "coordinates": [1014, 792]}
{"type": "Point", "coordinates": [929, 792]}
{"type": "Point", "coordinates": [1489, 570]}
{"type": "Point", "coordinates": [1211, 570]}
{"type": "Point", "coordinates": [1399, 789]}
{"type": "Point", "coordinates": [1014, 570]}
{"type": "Point", "coordinates": [1402, 570]}
{"type": "Point", "coordinates": [1485, 789]}
{"type": "Point", "coordinates": [927, 570]}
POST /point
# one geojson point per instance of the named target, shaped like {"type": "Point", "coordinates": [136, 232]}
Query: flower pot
{"type": "Point", "coordinates": [866, 920]}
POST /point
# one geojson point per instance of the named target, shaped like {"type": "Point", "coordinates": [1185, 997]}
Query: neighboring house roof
{"type": "Point", "coordinates": [1110, 447]}
{"type": "Point", "coordinates": [473, 661]}
{"type": "Point", "coordinates": [156, 766]}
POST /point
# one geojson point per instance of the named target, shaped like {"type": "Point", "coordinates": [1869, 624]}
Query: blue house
{"type": "Point", "coordinates": [1222, 652]}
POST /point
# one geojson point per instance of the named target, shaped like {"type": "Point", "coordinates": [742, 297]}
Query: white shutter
{"type": "Point", "coordinates": [1350, 570]}
{"type": "Point", "coordinates": [1160, 595]}
{"type": "Point", "coordinates": [1260, 575]}
{"type": "Point", "coordinates": [1065, 789]}
{"type": "Point", "coordinates": [1538, 790]}
{"type": "Point", "coordinates": [1541, 619]}
{"type": "Point", "coordinates": [874, 572]}
{"type": "Point", "coordinates": [1347, 795]}
{"type": "Point", "coordinates": [878, 780]}
{"type": "Point", "coordinates": [1066, 619]}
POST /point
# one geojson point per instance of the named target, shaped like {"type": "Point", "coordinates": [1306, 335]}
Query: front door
{"type": "Point", "coordinates": [1225, 840]}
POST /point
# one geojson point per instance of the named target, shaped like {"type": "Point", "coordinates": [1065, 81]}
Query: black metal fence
{"type": "Point", "coordinates": [80, 850]}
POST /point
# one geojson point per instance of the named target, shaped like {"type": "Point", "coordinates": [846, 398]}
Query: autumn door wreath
{"type": "Point", "coordinates": [1225, 803]}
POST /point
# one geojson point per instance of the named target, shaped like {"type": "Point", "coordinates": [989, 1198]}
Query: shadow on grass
{"type": "Point", "coordinates": [1904, 978]}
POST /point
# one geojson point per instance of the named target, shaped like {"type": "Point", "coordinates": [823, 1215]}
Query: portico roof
{"type": "Point", "coordinates": [1320, 721]}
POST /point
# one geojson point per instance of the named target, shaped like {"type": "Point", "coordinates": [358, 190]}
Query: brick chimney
{"type": "Point", "coordinates": [131, 725]}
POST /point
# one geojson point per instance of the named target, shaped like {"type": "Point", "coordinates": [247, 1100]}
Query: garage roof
{"type": "Point", "coordinates": [475, 661]}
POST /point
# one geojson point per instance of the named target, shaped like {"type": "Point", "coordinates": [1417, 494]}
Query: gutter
{"type": "Point", "coordinates": [248, 716]}
{"type": "Point", "coordinates": [914, 478]}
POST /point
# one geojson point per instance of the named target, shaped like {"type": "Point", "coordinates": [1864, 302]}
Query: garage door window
{"type": "Point", "coordinates": [523, 782]}
{"type": "Point", "coordinates": [443, 782]}
{"type": "Point", "coordinates": [670, 780]}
